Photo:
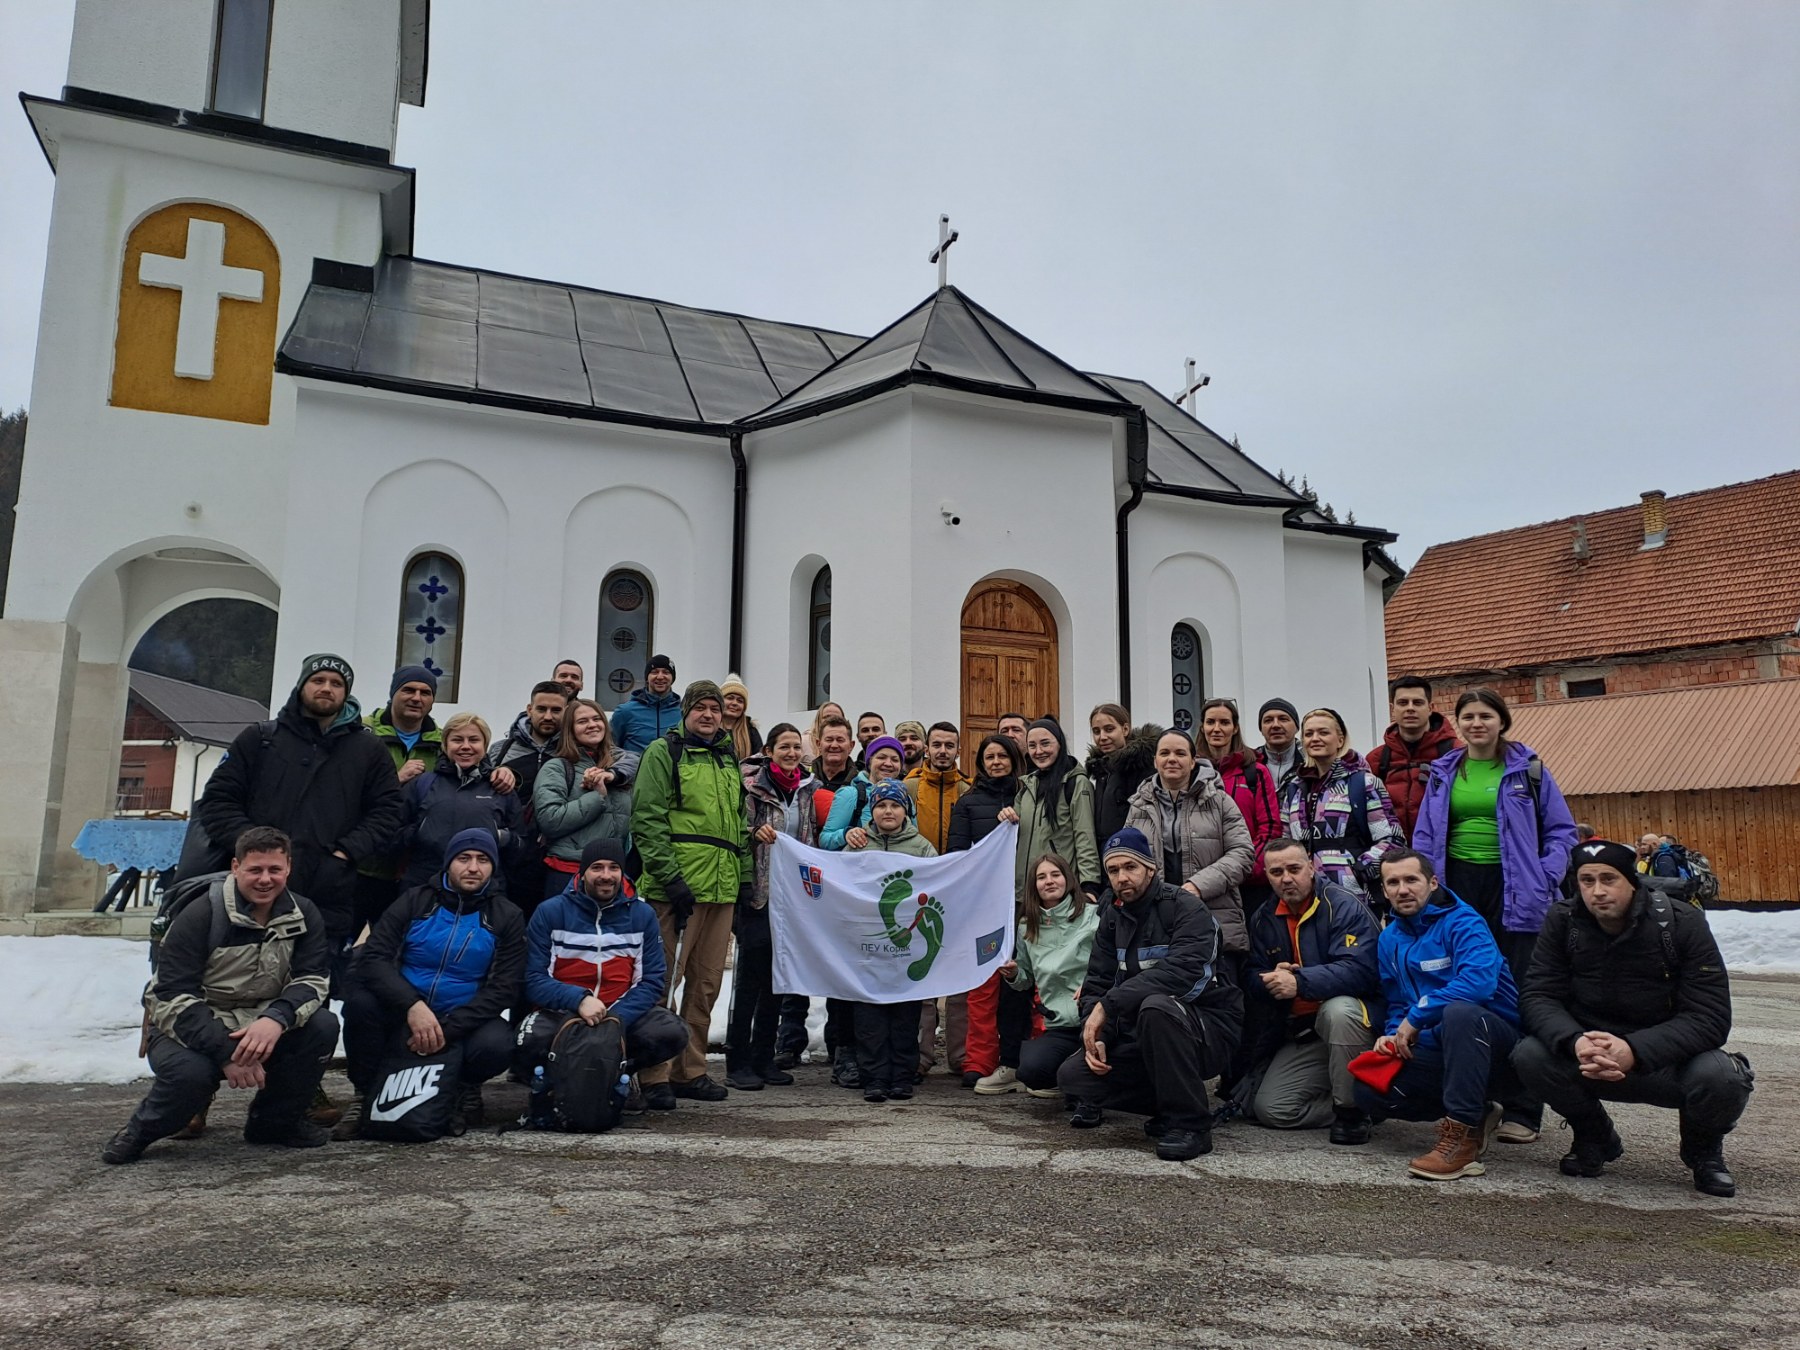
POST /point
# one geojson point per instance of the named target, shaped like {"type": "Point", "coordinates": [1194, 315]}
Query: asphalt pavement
{"type": "Point", "coordinates": [801, 1217]}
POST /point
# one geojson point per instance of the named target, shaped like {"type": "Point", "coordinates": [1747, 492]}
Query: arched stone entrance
{"type": "Point", "coordinates": [1009, 660]}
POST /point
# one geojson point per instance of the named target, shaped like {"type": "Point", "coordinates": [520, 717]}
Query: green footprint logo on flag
{"type": "Point", "coordinates": [927, 919]}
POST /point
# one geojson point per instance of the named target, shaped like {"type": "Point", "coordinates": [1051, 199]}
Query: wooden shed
{"type": "Point", "coordinates": [1717, 767]}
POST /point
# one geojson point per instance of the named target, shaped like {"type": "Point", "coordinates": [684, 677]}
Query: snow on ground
{"type": "Point", "coordinates": [70, 1010]}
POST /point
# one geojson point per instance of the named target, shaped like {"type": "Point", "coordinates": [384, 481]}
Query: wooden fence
{"type": "Point", "coordinates": [1751, 835]}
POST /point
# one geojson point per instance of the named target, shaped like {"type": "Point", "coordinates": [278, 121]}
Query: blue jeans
{"type": "Point", "coordinates": [1466, 1066]}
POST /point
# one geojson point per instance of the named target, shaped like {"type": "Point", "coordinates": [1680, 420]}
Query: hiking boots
{"type": "Point", "coordinates": [123, 1147]}
{"type": "Point", "coordinates": [702, 1089]}
{"type": "Point", "coordinates": [323, 1110]}
{"type": "Point", "coordinates": [1350, 1125]}
{"type": "Point", "coordinates": [744, 1080]}
{"type": "Point", "coordinates": [1457, 1153]}
{"type": "Point", "coordinates": [659, 1097]}
{"type": "Point", "coordinates": [470, 1107]}
{"type": "Point", "coordinates": [299, 1133]}
{"type": "Point", "coordinates": [1156, 1127]}
{"type": "Point", "coordinates": [1595, 1146]}
{"type": "Point", "coordinates": [786, 1059]}
{"type": "Point", "coordinates": [1002, 1079]}
{"type": "Point", "coordinates": [1515, 1132]}
{"type": "Point", "coordinates": [1087, 1116]}
{"type": "Point", "coordinates": [350, 1123]}
{"type": "Point", "coordinates": [196, 1125]}
{"type": "Point", "coordinates": [1704, 1156]}
{"type": "Point", "coordinates": [844, 1071]}
{"type": "Point", "coordinates": [1181, 1145]}
{"type": "Point", "coordinates": [970, 1078]}
{"type": "Point", "coordinates": [774, 1075]}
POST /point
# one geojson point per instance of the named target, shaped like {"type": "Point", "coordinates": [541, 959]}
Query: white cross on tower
{"type": "Point", "coordinates": [941, 254]}
{"type": "Point", "coordinates": [204, 281]}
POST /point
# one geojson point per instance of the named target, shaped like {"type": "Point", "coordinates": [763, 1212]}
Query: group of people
{"type": "Point", "coordinates": [1330, 940]}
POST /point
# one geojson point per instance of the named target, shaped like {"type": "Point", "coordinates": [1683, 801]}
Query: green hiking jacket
{"type": "Point", "coordinates": [1057, 962]}
{"type": "Point", "coordinates": [426, 750]}
{"type": "Point", "coordinates": [705, 838]}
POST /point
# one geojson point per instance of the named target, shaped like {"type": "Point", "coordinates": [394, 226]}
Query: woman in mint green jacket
{"type": "Point", "coordinates": [1056, 935]}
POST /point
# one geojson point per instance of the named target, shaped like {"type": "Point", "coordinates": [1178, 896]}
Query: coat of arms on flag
{"type": "Point", "coordinates": [812, 881]}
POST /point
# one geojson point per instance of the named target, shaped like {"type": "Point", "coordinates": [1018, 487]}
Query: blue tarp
{"type": "Point", "coordinates": [148, 845]}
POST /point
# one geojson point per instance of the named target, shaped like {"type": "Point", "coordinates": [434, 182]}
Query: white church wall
{"type": "Point", "coordinates": [148, 475]}
{"type": "Point", "coordinates": [334, 66]}
{"type": "Point", "coordinates": [1220, 569]}
{"type": "Point", "coordinates": [160, 53]}
{"type": "Point", "coordinates": [1375, 638]}
{"type": "Point", "coordinates": [1034, 489]}
{"type": "Point", "coordinates": [828, 490]}
{"type": "Point", "coordinates": [537, 510]}
{"type": "Point", "coordinates": [1327, 618]}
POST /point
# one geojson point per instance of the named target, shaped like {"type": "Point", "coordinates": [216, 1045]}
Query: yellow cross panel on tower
{"type": "Point", "coordinates": [198, 298]}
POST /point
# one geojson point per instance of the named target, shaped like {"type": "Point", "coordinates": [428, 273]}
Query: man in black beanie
{"type": "Point", "coordinates": [1627, 1000]}
{"type": "Point", "coordinates": [1279, 723]}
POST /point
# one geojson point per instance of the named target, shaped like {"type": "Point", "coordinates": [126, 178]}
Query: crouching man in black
{"type": "Point", "coordinates": [442, 963]}
{"type": "Point", "coordinates": [1158, 1020]}
{"type": "Point", "coordinates": [239, 994]}
{"type": "Point", "coordinates": [1627, 1000]}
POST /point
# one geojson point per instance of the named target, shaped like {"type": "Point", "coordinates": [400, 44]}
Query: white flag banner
{"type": "Point", "coordinates": [881, 927]}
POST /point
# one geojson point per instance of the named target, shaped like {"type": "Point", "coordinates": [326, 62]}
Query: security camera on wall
{"type": "Point", "coordinates": [948, 511]}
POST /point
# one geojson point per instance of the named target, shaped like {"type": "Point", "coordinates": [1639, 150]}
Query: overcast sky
{"type": "Point", "coordinates": [1465, 266]}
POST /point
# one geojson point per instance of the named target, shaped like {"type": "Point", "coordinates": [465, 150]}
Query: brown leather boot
{"type": "Point", "coordinates": [1457, 1153]}
{"type": "Point", "coordinates": [324, 1112]}
{"type": "Point", "coordinates": [195, 1126]}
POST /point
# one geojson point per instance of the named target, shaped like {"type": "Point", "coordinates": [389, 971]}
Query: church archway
{"type": "Point", "coordinates": [1009, 659]}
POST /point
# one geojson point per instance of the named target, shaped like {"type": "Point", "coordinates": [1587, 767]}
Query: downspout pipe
{"type": "Point", "coordinates": [740, 511]}
{"type": "Point", "coordinates": [1137, 468]}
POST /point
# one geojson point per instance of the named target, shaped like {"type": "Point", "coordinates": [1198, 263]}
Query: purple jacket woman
{"type": "Point", "coordinates": [1536, 837]}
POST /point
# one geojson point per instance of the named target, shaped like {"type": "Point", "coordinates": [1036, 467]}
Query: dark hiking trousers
{"type": "Point", "coordinates": [1710, 1090]}
{"type": "Point", "coordinates": [374, 1033]}
{"type": "Point", "coordinates": [887, 1044]}
{"type": "Point", "coordinates": [1159, 1067]}
{"type": "Point", "coordinates": [186, 1080]}
{"type": "Point", "coordinates": [750, 1032]}
{"type": "Point", "coordinates": [1482, 885]}
{"type": "Point", "coordinates": [791, 1037]}
{"type": "Point", "coordinates": [1042, 1056]}
{"type": "Point", "coordinates": [1457, 1076]}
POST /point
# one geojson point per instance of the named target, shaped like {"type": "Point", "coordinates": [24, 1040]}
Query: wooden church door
{"type": "Point", "coordinates": [1008, 661]}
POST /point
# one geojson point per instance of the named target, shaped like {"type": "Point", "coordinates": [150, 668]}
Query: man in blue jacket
{"type": "Point", "coordinates": [596, 951]}
{"type": "Point", "coordinates": [441, 965]}
{"type": "Point", "coordinates": [1314, 1003]}
{"type": "Point", "coordinates": [1452, 1020]}
{"type": "Point", "coordinates": [650, 712]}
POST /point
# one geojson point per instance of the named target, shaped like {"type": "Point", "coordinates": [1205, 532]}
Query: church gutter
{"type": "Point", "coordinates": [740, 507]}
{"type": "Point", "coordinates": [1137, 468]}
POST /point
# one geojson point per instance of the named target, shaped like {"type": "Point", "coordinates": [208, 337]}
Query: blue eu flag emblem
{"type": "Point", "coordinates": [987, 946]}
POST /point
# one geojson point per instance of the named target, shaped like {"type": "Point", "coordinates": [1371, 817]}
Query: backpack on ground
{"type": "Point", "coordinates": [415, 1096]}
{"type": "Point", "coordinates": [584, 1074]}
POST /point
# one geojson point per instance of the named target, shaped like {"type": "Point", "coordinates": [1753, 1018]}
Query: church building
{"type": "Point", "coordinates": [248, 386]}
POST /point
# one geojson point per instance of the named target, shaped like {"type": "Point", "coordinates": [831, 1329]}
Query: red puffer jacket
{"type": "Point", "coordinates": [1252, 787]}
{"type": "Point", "coordinates": [1402, 768]}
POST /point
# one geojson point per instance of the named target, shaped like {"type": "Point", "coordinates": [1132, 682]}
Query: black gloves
{"type": "Point", "coordinates": [746, 893]}
{"type": "Point", "coordinates": [681, 899]}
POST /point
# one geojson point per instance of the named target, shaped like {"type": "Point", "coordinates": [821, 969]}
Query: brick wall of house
{"type": "Point", "coordinates": [1779, 659]}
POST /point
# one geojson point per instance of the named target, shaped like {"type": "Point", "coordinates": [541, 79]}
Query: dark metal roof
{"type": "Point", "coordinates": [487, 337]}
{"type": "Point", "coordinates": [948, 340]}
{"type": "Point", "coordinates": [198, 713]}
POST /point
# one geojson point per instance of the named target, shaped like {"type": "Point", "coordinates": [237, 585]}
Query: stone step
{"type": "Point", "coordinates": [133, 923]}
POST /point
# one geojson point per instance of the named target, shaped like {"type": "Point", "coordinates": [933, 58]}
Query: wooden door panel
{"type": "Point", "coordinates": [1009, 661]}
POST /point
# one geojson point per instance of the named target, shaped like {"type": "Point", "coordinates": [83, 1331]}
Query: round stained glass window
{"type": "Point", "coordinates": [825, 684]}
{"type": "Point", "coordinates": [624, 639]}
{"type": "Point", "coordinates": [1184, 720]}
{"type": "Point", "coordinates": [825, 636]}
{"type": "Point", "coordinates": [1182, 646]}
{"type": "Point", "coordinates": [625, 595]}
{"type": "Point", "coordinates": [620, 681]}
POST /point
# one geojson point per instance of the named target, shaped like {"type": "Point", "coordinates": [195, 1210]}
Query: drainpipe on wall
{"type": "Point", "coordinates": [1137, 468]}
{"type": "Point", "coordinates": [740, 509]}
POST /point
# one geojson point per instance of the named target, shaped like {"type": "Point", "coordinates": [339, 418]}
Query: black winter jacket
{"type": "Point", "coordinates": [976, 814]}
{"type": "Point", "coordinates": [328, 790]}
{"type": "Point", "coordinates": [441, 805]}
{"type": "Point", "coordinates": [379, 965]}
{"type": "Point", "coordinates": [1583, 979]}
{"type": "Point", "coordinates": [1166, 942]}
{"type": "Point", "coordinates": [1116, 776]}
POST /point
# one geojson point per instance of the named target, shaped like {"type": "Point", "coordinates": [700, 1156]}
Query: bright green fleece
{"type": "Point", "coordinates": [1057, 962]}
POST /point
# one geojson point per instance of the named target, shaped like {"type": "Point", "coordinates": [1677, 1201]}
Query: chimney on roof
{"type": "Point", "coordinates": [1583, 551]}
{"type": "Point", "coordinates": [1656, 518]}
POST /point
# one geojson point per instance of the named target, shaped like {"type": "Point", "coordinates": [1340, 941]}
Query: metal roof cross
{"type": "Point", "coordinates": [941, 254]}
{"type": "Point", "coordinates": [1191, 385]}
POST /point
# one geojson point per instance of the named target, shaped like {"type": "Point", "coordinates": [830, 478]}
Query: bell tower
{"type": "Point", "coordinates": [209, 157]}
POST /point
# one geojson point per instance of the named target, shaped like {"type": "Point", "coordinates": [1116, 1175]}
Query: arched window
{"type": "Point", "coordinates": [431, 610]}
{"type": "Point", "coordinates": [818, 638]}
{"type": "Point", "coordinates": [1187, 678]}
{"type": "Point", "coordinates": [627, 629]}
